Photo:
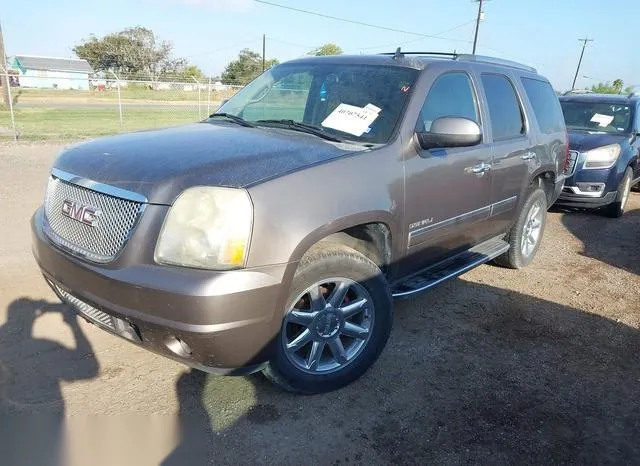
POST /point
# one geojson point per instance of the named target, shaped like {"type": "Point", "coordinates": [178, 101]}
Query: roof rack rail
{"type": "Point", "coordinates": [465, 57]}
{"type": "Point", "coordinates": [399, 53]}
{"type": "Point", "coordinates": [496, 61]}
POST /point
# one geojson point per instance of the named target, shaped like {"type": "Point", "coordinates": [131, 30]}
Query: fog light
{"type": "Point", "coordinates": [178, 346]}
{"type": "Point", "coordinates": [591, 187]}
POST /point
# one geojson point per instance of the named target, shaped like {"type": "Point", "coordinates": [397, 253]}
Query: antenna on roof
{"type": "Point", "coordinates": [398, 54]}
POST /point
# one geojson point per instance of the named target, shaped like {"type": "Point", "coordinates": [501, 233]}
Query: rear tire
{"type": "Point", "coordinates": [525, 236]}
{"type": "Point", "coordinates": [617, 207]}
{"type": "Point", "coordinates": [328, 341]}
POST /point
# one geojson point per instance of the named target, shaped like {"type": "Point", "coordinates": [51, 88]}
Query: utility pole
{"type": "Point", "coordinates": [264, 50]}
{"type": "Point", "coordinates": [584, 46]}
{"type": "Point", "coordinates": [475, 39]}
{"type": "Point", "coordinates": [4, 71]}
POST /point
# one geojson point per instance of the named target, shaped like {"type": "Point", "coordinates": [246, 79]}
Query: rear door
{"type": "Point", "coordinates": [511, 143]}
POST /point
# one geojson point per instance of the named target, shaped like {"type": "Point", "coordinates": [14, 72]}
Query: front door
{"type": "Point", "coordinates": [448, 191]}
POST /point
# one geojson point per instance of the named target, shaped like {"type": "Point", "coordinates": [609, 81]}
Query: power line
{"type": "Point", "coordinates": [351, 21]}
{"type": "Point", "coordinates": [584, 46]}
{"type": "Point", "coordinates": [421, 38]}
{"type": "Point", "coordinates": [225, 48]}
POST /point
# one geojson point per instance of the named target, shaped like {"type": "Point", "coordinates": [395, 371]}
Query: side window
{"type": "Point", "coordinates": [546, 106]}
{"type": "Point", "coordinates": [451, 95]}
{"type": "Point", "coordinates": [504, 108]}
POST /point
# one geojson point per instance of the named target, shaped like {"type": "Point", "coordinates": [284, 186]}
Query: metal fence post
{"type": "Point", "coordinates": [119, 100]}
{"type": "Point", "coordinates": [199, 107]}
{"type": "Point", "coordinates": [209, 97]}
{"type": "Point", "coordinates": [13, 117]}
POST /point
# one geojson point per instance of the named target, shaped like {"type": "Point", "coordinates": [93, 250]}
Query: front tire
{"type": "Point", "coordinates": [617, 207]}
{"type": "Point", "coordinates": [526, 234]}
{"type": "Point", "coordinates": [338, 320]}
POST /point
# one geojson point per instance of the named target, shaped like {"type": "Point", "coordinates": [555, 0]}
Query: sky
{"type": "Point", "coordinates": [541, 33]}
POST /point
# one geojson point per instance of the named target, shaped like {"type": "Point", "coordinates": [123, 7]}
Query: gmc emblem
{"type": "Point", "coordinates": [81, 213]}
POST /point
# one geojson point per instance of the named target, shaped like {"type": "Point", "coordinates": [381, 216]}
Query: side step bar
{"type": "Point", "coordinates": [450, 268]}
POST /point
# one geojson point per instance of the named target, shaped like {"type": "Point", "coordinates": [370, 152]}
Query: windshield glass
{"type": "Point", "coordinates": [599, 117]}
{"type": "Point", "coordinates": [353, 102]}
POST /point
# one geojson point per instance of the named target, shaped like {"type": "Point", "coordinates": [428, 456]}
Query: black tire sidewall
{"type": "Point", "coordinates": [346, 263]}
{"type": "Point", "coordinates": [616, 209]}
{"type": "Point", "coordinates": [515, 258]}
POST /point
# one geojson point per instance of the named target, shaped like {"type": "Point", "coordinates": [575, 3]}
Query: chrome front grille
{"type": "Point", "coordinates": [90, 312]}
{"type": "Point", "coordinates": [99, 242]}
{"type": "Point", "coordinates": [571, 163]}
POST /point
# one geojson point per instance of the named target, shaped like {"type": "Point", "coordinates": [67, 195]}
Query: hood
{"type": "Point", "coordinates": [582, 141]}
{"type": "Point", "coordinates": [160, 164]}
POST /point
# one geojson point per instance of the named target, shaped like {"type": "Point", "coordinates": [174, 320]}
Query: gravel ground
{"type": "Point", "coordinates": [537, 366]}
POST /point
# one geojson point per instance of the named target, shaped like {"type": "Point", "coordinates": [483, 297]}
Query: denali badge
{"type": "Point", "coordinates": [81, 213]}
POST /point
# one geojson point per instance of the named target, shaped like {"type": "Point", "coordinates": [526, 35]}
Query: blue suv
{"type": "Point", "coordinates": [604, 160]}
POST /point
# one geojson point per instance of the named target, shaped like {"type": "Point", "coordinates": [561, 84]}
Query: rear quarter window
{"type": "Point", "coordinates": [545, 104]}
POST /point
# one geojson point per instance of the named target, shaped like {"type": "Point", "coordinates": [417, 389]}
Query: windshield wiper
{"type": "Point", "coordinates": [234, 118]}
{"type": "Point", "coordinates": [302, 127]}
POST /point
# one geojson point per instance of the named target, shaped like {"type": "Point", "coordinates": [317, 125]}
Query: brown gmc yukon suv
{"type": "Point", "coordinates": [274, 235]}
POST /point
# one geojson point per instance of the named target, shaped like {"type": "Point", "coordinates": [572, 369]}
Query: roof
{"type": "Point", "coordinates": [379, 60]}
{"type": "Point", "coordinates": [415, 60]}
{"type": "Point", "coordinates": [605, 98]}
{"type": "Point", "coordinates": [76, 65]}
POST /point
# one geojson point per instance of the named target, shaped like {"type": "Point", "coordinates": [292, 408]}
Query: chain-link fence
{"type": "Point", "coordinates": [62, 107]}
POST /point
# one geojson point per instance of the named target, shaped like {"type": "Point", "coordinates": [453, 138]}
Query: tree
{"type": "Point", "coordinates": [327, 49]}
{"type": "Point", "coordinates": [245, 68]}
{"type": "Point", "coordinates": [617, 85]}
{"type": "Point", "coordinates": [134, 52]}
{"type": "Point", "coordinates": [192, 71]}
{"type": "Point", "coordinates": [615, 88]}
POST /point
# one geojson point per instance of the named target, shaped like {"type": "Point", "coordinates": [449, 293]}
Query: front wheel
{"type": "Point", "coordinates": [337, 322]}
{"type": "Point", "coordinates": [526, 234]}
{"type": "Point", "coordinates": [617, 207]}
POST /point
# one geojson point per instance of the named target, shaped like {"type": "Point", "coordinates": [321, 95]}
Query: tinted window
{"type": "Point", "coordinates": [545, 105]}
{"type": "Point", "coordinates": [450, 96]}
{"type": "Point", "coordinates": [504, 109]}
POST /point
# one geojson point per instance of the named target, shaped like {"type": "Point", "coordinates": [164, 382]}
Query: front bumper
{"type": "Point", "coordinates": [570, 198]}
{"type": "Point", "coordinates": [228, 320]}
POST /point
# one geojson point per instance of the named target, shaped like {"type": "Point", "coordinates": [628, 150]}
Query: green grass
{"type": "Point", "coordinates": [71, 123]}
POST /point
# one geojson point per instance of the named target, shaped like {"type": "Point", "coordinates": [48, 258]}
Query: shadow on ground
{"type": "Point", "coordinates": [613, 241]}
{"type": "Point", "coordinates": [31, 373]}
{"type": "Point", "coordinates": [472, 373]}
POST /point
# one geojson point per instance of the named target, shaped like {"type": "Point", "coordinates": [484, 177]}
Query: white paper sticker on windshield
{"type": "Point", "coordinates": [602, 120]}
{"type": "Point", "coordinates": [351, 119]}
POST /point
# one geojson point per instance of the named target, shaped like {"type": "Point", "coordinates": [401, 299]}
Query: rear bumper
{"type": "Point", "coordinates": [228, 320]}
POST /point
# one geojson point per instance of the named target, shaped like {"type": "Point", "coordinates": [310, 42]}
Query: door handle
{"type": "Point", "coordinates": [480, 169]}
{"type": "Point", "coordinates": [528, 156]}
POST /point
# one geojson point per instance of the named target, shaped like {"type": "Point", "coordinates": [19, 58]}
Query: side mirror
{"type": "Point", "coordinates": [451, 132]}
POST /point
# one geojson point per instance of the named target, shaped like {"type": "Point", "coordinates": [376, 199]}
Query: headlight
{"type": "Point", "coordinates": [207, 228]}
{"type": "Point", "coordinates": [602, 157]}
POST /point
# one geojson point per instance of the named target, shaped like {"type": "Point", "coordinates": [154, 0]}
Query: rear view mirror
{"type": "Point", "coordinates": [451, 132]}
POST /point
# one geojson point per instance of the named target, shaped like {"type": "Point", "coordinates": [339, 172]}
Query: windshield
{"type": "Point", "coordinates": [600, 117]}
{"type": "Point", "coordinates": [352, 102]}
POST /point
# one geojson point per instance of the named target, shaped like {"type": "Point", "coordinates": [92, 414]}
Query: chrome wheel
{"type": "Point", "coordinates": [532, 229]}
{"type": "Point", "coordinates": [328, 325]}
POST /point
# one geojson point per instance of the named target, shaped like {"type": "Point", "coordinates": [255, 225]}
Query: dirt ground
{"type": "Point", "coordinates": [538, 366]}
